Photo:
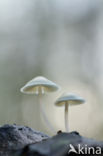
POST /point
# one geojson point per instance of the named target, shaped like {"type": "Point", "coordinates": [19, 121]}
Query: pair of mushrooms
{"type": "Point", "coordinates": [40, 85]}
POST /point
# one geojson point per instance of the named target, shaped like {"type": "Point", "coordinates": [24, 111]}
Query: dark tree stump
{"type": "Point", "coordinates": [13, 137]}
{"type": "Point", "coordinates": [59, 145]}
{"type": "Point", "coordinates": [24, 141]}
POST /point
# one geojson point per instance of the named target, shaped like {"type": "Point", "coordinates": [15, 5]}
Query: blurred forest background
{"type": "Point", "coordinates": [63, 41]}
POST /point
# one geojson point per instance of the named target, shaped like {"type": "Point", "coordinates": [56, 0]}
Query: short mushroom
{"type": "Point", "coordinates": [39, 86]}
{"type": "Point", "coordinates": [68, 99]}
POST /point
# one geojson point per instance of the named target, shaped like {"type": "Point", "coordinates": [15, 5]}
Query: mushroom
{"type": "Point", "coordinates": [39, 86]}
{"type": "Point", "coordinates": [66, 100]}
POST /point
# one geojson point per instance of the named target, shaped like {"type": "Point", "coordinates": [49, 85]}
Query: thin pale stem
{"type": "Point", "coordinates": [42, 112]}
{"type": "Point", "coordinates": [66, 117]}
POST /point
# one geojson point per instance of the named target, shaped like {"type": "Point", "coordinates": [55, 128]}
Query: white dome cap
{"type": "Point", "coordinates": [71, 98]}
{"type": "Point", "coordinates": [39, 82]}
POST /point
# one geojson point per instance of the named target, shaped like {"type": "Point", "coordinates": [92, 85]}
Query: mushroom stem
{"type": "Point", "coordinates": [42, 111]}
{"type": "Point", "coordinates": [66, 117]}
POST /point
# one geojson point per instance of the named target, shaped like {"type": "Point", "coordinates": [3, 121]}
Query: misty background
{"type": "Point", "coordinates": [61, 40]}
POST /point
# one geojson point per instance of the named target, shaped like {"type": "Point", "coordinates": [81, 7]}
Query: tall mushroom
{"type": "Point", "coordinates": [39, 86]}
{"type": "Point", "coordinates": [66, 100]}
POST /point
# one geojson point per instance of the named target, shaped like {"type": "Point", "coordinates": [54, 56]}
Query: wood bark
{"type": "Point", "coordinates": [24, 141]}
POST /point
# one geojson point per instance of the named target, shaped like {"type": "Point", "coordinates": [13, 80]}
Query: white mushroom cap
{"type": "Point", "coordinates": [39, 83]}
{"type": "Point", "coordinates": [71, 99]}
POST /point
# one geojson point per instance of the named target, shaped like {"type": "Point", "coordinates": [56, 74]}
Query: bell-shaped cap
{"type": "Point", "coordinates": [71, 99]}
{"type": "Point", "coordinates": [36, 85]}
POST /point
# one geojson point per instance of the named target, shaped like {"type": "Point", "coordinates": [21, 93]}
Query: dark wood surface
{"type": "Point", "coordinates": [13, 137]}
{"type": "Point", "coordinates": [24, 141]}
